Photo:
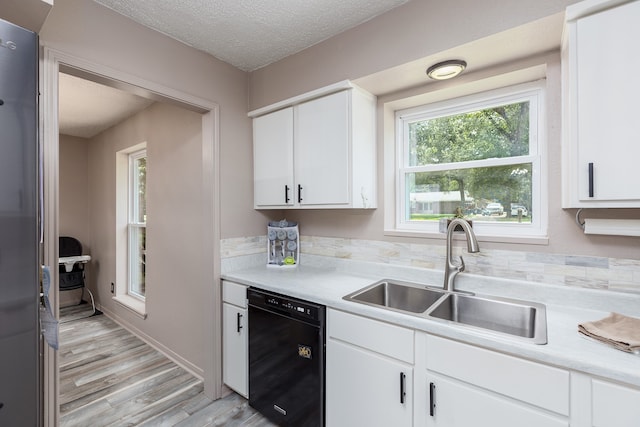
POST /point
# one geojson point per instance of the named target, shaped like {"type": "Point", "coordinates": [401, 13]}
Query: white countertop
{"type": "Point", "coordinates": [326, 281]}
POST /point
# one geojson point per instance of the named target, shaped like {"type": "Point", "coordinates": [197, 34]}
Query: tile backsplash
{"type": "Point", "coordinates": [620, 275]}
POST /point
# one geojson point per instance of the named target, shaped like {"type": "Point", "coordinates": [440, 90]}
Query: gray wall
{"type": "Point", "coordinates": [74, 192]}
{"type": "Point", "coordinates": [174, 264]}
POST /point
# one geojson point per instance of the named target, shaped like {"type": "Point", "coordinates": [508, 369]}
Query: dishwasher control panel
{"type": "Point", "coordinates": [283, 304]}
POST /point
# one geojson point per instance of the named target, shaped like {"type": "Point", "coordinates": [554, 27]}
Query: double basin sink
{"type": "Point", "coordinates": [520, 320]}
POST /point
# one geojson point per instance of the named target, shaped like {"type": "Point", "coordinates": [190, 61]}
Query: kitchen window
{"type": "Point", "coordinates": [477, 156]}
{"type": "Point", "coordinates": [137, 225]}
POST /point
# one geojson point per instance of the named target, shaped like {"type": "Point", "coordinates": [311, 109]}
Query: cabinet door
{"type": "Point", "coordinates": [363, 388]}
{"type": "Point", "coordinates": [615, 405]}
{"type": "Point", "coordinates": [322, 150]}
{"type": "Point", "coordinates": [457, 404]}
{"type": "Point", "coordinates": [235, 348]}
{"type": "Point", "coordinates": [273, 159]}
{"type": "Point", "coordinates": [606, 104]}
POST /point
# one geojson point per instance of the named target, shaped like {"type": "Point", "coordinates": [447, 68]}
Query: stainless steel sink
{"type": "Point", "coordinates": [517, 319]}
{"type": "Point", "coordinates": [521, 319]}
{"type": "Point", "coordinates": [397, 295]}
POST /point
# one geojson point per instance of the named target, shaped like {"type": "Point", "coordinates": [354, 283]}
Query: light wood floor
{"type": "Point", "coordinates": [109, 377]}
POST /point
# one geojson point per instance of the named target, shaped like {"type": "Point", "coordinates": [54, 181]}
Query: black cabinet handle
{"type": "Point", "coordinates": [402, 387]}
{"type": "Point", "coordinates": [590, 179]}
{"type": "Point", "coordinates": [299, 193]}
{"type": "Point", "coordinates": [239, 316]}
{"type": "Point", "coordinates": [286, 194]}
{"type": "Point", "coordinates": [432, 399]}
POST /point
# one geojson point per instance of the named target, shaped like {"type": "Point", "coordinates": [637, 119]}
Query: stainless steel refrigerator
{"type": "Point", "coordinates": [19, 228]}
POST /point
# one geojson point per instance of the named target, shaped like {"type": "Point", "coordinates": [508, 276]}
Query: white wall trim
{"type": "Point", "coordinates": [49, 145]}
{"type": "Point", "coordinates": [51, 62]}
{"type": "Point", "coordinates": [213, 386]}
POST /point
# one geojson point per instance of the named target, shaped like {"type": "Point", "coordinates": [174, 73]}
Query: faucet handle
{"type": "Point", "coordinates": [461, 268]}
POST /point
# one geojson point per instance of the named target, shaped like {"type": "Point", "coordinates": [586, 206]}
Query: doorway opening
{"type": "Point", "coordinates": [182, 192]}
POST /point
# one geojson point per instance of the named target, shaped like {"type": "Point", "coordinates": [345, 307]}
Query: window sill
{"type": "Point", "coordinates": [134, 305]}
{"type": "Point", "coordinates": [524, 240]}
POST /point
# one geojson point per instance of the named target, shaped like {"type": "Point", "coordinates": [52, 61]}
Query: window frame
{"type": "Point", "coordinates": [133, 225]}
{"type": "Point", "coordinates": [534, 92]}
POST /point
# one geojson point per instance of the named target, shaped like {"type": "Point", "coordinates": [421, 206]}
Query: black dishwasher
{"type": "Point", "coordinates": [286, 358]}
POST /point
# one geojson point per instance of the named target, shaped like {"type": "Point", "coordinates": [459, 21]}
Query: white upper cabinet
{"type": "Point", "coordinates": [316, 151]}
{"type": "Point", "coordinates": [601, 144]}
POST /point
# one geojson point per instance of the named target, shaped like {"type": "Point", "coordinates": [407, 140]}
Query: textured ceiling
{"type": "Point", "coordinates": [250, 34]}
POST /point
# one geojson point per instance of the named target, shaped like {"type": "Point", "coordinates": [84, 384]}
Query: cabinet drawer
{"type": "Point", "coordinates": [234, 293]}
{"type": "Point", "coordinates": [544, 386]}
{"type": "Point", "coordinates": [390, 340]}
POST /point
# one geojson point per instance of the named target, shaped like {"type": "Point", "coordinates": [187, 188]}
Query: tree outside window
{"type": "Point", "coordinates": [478, 159]}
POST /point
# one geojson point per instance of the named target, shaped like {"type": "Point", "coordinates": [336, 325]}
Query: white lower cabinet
{"type": "Point", "coordinates": [614, 405]}
{"type": "Point", "coordinates": [472, 386]}
{"type": "Point", "coordinates": [380, 374]}
{"type": "Point", "coordinates": [600, 403]}
{"type": "Point", "coordinates": [235, 344]}
{"type": "Point", "coordinates": [369, 372]}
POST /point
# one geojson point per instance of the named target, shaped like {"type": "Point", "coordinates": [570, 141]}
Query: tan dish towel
{"type": "Point", "coordinates": [621, 332]}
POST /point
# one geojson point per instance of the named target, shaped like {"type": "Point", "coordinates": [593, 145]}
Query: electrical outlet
{"type": "Point", "coordinates": [113, 288]}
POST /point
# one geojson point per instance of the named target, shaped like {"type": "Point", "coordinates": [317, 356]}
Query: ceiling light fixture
{"type": "Point", "coordinates": [446, 69]}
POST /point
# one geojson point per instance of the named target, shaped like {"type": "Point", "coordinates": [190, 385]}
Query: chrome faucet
{"type": "Point", "coordinates": [451, 270]}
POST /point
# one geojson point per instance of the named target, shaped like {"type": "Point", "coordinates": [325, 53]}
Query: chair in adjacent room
{"type": "Point", "coordinates": [72, 268]}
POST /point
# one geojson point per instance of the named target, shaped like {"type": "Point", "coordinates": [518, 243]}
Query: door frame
{"type": "Point", "coordinates": [51, 63]}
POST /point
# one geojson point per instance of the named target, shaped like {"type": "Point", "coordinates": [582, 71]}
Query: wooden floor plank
{"type": "Point", "coordinates": [219, 410]}
{"type": "Point", "coordinates": [162, 404]}
{"type": "Point", "coordinates": [88, 382]}
{"type": "Point", "coordinates": [109, 377]}
{"type": "Point", "coordinates": [84, 396]}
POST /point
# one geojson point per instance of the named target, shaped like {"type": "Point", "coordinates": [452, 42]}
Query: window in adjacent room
{"type": "Point", "coordinates": [479, 156]}
{"type": "Point", "coordinates": [130, 286]}
{"type": "Point", "coordinates": [136, 228]}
